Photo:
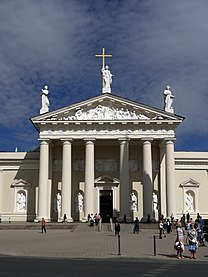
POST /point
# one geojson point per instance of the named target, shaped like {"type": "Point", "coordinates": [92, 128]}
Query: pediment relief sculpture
{"type": "Point", "coordinates": [102, 112]}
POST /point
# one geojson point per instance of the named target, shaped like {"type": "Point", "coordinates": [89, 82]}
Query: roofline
{"type": "Point", "coordinates": [106, 95]}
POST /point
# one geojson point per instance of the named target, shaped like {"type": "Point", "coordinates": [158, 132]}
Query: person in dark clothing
{"type": "Point", "coordinates": [43, 225]}
{"type": "Point", "coordinates": [117, 228]}
{"type": "Point", "coordinates": [136, 225]}
{"type": "Point", "coordinates": [168, 226]}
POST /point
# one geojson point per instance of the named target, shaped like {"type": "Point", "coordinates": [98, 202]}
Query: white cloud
{"type": "Point", "coordinates": [153, 43]}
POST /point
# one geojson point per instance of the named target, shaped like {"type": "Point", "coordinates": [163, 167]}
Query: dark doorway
{"type": "Point", "coordinates": [106, 205]}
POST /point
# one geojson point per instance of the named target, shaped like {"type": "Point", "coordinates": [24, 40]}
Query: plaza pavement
{"type": "Point", "coordinates": [82, 241]}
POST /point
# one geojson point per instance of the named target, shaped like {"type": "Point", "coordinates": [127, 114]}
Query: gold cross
{"type": "Point", "coordinates": [103, 55]}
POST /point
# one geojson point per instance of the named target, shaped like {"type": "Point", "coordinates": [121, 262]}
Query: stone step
{"type": "Point", "coordinates": [72, 226]}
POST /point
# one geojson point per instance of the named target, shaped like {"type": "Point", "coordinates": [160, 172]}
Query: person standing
{"type": "Point", "coordinates": [117, 228]}
{"type": "Point", "coordinates": [179, 242]}
{"type": "Point", "coordinates": [168, 226]}
{"type": "Point", "coordinates": [160, 226]}
{"type": "Point", "coordinates": [43, 225]}
{"type": "Point", "coordinates": [193, 242]}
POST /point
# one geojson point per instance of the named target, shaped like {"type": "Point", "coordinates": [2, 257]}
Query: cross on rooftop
{"type": "Point", "coordinates": [103, 56]}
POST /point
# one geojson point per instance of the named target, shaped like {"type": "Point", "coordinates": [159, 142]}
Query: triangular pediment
{"type": "Point", "coordinates": [106, 107]}
{"type": "Point", "coordinates": [20, 183]}
{"type": "Point", "coordinates": [106, 179]}
{"type": "Point", "coordinates": [190, 183]}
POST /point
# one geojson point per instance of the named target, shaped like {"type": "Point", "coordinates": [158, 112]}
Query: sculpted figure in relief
{"type": "Point", "coordinates": [45, 100]}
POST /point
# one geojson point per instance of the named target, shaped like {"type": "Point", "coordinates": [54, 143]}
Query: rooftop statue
{"type": "Point", "coordinates": [168, 100]}
{"type": "Point", "coordinates": [107, 79]}
{"type": "Point", "coordinates": [45, 100]}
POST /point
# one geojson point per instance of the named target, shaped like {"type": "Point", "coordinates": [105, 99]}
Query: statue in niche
{"type": "Point", "coordinates": [168, 100]}
{"type": "Point", "coordinates": [21, 202]}
{"type": "Point", "coordinates": [189, 202]}
{"type": "Point", "coordinates": [57, 203]}
{"type": "Point", "coordinates": [154, 201]}
{"type": "Point", "coordinates": [45, 100]}
{"type": "Point", "coordinates": [79, 202]}
{"type": "Point", "coordinates": [133, 202]}
{"type": "Point", "coordinates": [107, 76]}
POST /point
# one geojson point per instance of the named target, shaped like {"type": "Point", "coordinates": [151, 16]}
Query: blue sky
{"type": "Point", "coordinates": [54, 42]}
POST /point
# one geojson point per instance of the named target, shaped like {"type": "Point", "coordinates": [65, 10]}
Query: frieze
{"type": "Point", "coordinates": [108, 165]}
{"type": "Point", "coordinates": [104, 113]}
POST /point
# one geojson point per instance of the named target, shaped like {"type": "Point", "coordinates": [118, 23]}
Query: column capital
{"type": "Point", "coordinates": [88, 140]}
{"type": "Point", "coordinates": [166, 140]}
{"type": "Point", "coordinates": [123, 139]}
{"type": "Point", "coordinates": [44, 141]}
{"type": "Point", "coordinates": [66, 141]}
{"type": "Point", "coordinates": [146, 140]}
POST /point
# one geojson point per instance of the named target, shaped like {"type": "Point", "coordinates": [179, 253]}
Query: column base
{"type": "Point", "coordinates": [84, 219]}
{"type": "Point", "coordinates": [70, 219]}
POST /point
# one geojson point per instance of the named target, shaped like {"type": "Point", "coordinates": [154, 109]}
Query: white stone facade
{"type": "Point", "coordinates": [103, 149]}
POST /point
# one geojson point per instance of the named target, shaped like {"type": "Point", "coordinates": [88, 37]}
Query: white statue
{"type": "Point", "coordinates": [107, 79]}
{"type": "Point", "coordinates": [168, 100]}
{"type": "Point", "coordinates": [21, 202]}
{"type": "Point", "coordinates": [45, 100]}
{"type": "Point", "coordinates": [133, 202]}
{"type": "Point", "coordinates": [189, 202]}
{"type": "Point", "coordinates": [79, 202]}
{"type": "Point", "coordinates": [58, 202]}
{"type": "Point", "coordinates": [154, 201]}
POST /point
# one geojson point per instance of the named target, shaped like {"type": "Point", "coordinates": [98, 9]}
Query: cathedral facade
{"type": "Point", "coordinates": [106, 155]}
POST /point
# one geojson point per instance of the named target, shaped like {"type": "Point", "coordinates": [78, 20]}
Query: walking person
{"type": "Point", "coordinates": [43, 225]}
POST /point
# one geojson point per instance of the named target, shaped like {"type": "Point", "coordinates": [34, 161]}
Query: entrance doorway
{"type": "Point", "coordinates": [106, 205]}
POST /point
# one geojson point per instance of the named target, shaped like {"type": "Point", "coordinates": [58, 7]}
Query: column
{"type": "Point", "coordinates": [124, 179]}
{"type": "Point", "coordinates": [170, 178]}
{"type": "Point", "coordinates": [50, 179]}
{"type": "Point", "coordinates": [66, 181]}
{"type": "Point", "coordinates": [162, 198]}
{"type": "Point", "coordinates": [89, 179]}
{"type": "Point", "coordinates": [43, 181]}
{"type": "Point", "coordinates": [147, 179]}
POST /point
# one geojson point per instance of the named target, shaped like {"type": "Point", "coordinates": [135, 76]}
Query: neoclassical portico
{"type": "Point", "coordinates": [106, 136]}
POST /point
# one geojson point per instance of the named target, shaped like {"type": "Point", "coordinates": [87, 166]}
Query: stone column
{"type": "Point", "coordinates": [89, 178]}
{"type": "Point", "coordinates": [43, 181]}
{"type": "Point", "coordinates": [170, 178]}
{"type": "Point", "coordinates": [66, 181]}
{"type": "Point", "coordinates": [163, 193]}
{"type": "Point", "coordinates": [147, 179]}
{"type": "Point", "coordinates": [124, 180]}
{"type": "Point", "coordinates": [50, 179]}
